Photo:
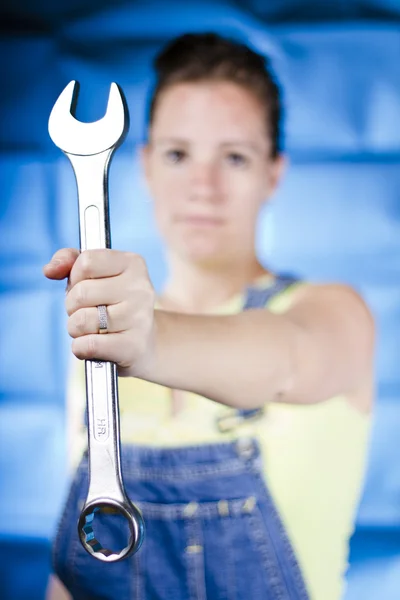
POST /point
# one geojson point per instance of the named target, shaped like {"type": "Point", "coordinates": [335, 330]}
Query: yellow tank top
{"type": "Point", "coordinates": [314, 457]}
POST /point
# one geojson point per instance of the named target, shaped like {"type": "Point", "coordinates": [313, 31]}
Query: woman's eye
{"type": "Point", "coordinates": [237, 160]}
{"type": "Point", "coordinates": [175, 156]}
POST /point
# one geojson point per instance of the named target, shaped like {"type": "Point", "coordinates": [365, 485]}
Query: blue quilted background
{"type": "Point", "coordinates": [336, 216]}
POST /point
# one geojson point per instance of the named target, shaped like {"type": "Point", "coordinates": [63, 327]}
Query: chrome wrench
{"type": "Point", "coordinates": [89, 147]}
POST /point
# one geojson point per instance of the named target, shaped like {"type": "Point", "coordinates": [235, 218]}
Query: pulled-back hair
{"type": "Point", "coordinates": [197, 57]}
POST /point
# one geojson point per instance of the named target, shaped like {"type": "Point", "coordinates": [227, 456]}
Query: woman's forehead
{"type": "Point", "coordinates": [213, 95]}
{"type": "Point", "coordinates": [209, 110]}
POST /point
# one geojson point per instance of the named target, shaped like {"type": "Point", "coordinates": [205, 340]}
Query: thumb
{"type": "Point", "coordinates": [61, 264]}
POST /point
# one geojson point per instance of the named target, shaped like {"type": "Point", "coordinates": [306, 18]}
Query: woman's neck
{"type": "Point", "coordinates": [199, 289]}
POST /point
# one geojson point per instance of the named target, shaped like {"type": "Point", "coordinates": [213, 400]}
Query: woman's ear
{"type": "Point", "coordinates": [277, 170]}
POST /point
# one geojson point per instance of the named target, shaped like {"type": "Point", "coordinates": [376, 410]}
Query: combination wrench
{"type": "Point", "coordinates": [89, 147]}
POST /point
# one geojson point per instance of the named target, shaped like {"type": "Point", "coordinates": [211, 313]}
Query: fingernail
{"type": "Point", "coordinates": [54, 263]}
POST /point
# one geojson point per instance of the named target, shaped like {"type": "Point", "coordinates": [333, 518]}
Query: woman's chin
{"type": "Point", "coordinates": [202, 254]}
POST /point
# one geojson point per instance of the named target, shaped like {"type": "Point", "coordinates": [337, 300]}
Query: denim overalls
{"type": "Point", "coordinates": [211, 528]}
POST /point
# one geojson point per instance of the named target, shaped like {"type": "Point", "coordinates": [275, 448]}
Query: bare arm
{"type": "Point", "coordinates": [322, 346]}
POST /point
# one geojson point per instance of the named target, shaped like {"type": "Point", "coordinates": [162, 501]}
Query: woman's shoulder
{"type": "Point", "coordinates": [295, 290]}
{"type": "Point", "coordinates": [335, 318]}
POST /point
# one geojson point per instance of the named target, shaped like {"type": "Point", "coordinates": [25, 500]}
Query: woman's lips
{"type": "Point", "coordinates": [201, 220]}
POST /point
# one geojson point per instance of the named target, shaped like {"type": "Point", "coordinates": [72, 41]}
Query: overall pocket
{"type": "Point", "coordinates": [209, 550]}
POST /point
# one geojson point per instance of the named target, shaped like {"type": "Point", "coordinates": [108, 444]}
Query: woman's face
{"type": "Point", "coordinates": [208, 169]}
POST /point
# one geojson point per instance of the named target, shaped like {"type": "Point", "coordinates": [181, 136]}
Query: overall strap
{"type": "Point", "coordinates": [258, 297]}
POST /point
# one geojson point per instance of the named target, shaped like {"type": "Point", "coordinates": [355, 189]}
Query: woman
{"type": "Point", "coordinates": [249, 392]}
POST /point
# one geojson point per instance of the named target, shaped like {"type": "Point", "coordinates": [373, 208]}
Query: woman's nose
{"type": "Point", "coordinates": [204, 182]}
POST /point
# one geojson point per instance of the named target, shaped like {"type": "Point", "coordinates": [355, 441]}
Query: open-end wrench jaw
{"type": "Point", "coordinates": [84, 139]}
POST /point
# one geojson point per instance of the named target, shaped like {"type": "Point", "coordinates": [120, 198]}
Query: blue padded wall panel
{"type": "Point", "coordinates": [383, 8]}
{"type": "Point", "coordinates": [32, 460]}
{"type": "Point", "coordinates": [384, 300]}
{"type": "Point", "coordinates": [356, 207]}
{"type": "Point", "coordinates": [380, 503]}
{"type": "Point", "coordinates": [321, 10]}
{"type": "Point", "coordinates": [375, 566]}
{"type": "Point", "coordinates": [319, 66]}
{"type": "Point", "coordinates": [136, 21]}
{"type": "Point", "coordinates": [32, 345]}
{"type": "Point", "coordinates": [273, 11]}
{"type": "Point", "coordinates": [30, 581]}
{"type": "Point", "coordinates": [28, 91]}
{"type": "Point", "coordinates": [27, 231]}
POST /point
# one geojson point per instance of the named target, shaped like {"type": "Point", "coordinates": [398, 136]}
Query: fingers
{"type": "Point", "coordinates": [98, 264]}
{"type": "Point", "coordinates": [85, 291]}
{"type": "Point", "coordinates": [61, 264]}
{"type": "Point", "coordinates": [85, 321]}
{"type": "Point", "coordinates": [92, 264]}
{"type": "Point", "coordinates": [92, 293]}
{"type": "Point", "coordinates": [123, 348]}
{"type": "Point", "coordinates": [108, 347]}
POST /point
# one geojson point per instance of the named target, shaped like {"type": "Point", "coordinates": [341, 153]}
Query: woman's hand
{"type": "Point", "coordinates": [120, 281]}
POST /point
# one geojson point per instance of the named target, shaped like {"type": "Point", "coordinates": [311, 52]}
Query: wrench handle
{"type": "Point", "coordinates": [91, 173]}
{"type": "Point", "coordinates": [106, 488]}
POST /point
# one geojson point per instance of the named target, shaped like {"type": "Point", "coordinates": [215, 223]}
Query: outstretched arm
{"type": "Point", "coordinates": [320, 347]}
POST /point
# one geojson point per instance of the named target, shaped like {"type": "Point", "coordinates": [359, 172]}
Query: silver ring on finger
{"type": "Point", "coordinates": [103, 318]}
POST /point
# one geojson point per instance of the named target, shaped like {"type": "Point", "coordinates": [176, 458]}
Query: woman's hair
{"type": "Point", "coordinates": [211, 57]}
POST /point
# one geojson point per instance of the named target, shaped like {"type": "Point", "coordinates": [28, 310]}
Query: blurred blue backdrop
{"type": "Point", "coordinates": [337, 216]}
